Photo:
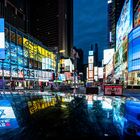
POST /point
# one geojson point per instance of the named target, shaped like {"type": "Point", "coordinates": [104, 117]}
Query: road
{"type": "Point", "coordinates": [43, 116]}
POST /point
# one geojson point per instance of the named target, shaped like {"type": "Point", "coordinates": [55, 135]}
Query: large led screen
{"type": "Point", "coordinates": [13, 53]}
{"type": "Point", "coordinates": [124, 24]}
{"type": "Point", "coordinates": [6, 68]}
{"type": "Point", "coordinates": [20, 50]}
{"type": "Point", "coordinates": [134, 50]}
{"type": "Point", "coordinates": [137, 17]}
{"type": "Point", "coordinates": [108, 54]}
{"type": "Point", "coordinates": [2, 39]}
{"type": "Point", "coordinates": [14, 70]}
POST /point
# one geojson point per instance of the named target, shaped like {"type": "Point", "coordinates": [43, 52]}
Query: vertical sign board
{"type": "Point", "coordinates": [90, 66]}
{"type": "Point", "coordinates": [2, 39]}
{"type": "Point", "coordinates": [7, 116]}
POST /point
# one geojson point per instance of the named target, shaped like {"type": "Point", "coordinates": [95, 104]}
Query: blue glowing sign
{"type": "Point", "coordinates": [62, 77]}
{"type": "Point", "coordinates": [2, 39]}
{"type": "Point", "coordinates": [7, 116]}
{"type": "Point", "coordinates": [90, 53]}
{"type": "Point", "coordinates": [134, 50]}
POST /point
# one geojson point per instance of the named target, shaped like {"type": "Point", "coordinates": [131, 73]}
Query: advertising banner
{"type": "Point", "coordinates": [7, 116]}
{"type": "Point", "coordinates": [2, 39]}
{"type": "Point", "coordinates": [90, 66]}
{"type": "Point", "coordinates": [90, 59]}
{"type": "Point", "coordinates": [14, 71]}
{"type": "Point", "coordinates": [137, 17]}
{"type": "Point", "coordinates": [113, 90]}
{"type": "Point", "coordinates": [125, 23]}
{"type": "Point", "coordinates": [91, 53]}
{"type": "Point", "coordinates": [134, 50]}
{"type": "Point", "coordinates": [100, 72]}
{"type": "Point", "coordinates": [108, 55]}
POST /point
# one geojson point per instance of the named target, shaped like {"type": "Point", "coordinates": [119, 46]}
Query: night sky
{"type": "Point", "coordinates": [90, 25]}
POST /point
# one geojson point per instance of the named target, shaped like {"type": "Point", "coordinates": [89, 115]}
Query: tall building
{"type": "Point", "coordinates": [114, 10]}
{"type": "Point", "coordinates": [15, 13]}
{"type": "Point", "coordinates": [80, 61]}
{"type": "Point", "coordinates": [96, 54]}
{"type": "Point", "coordinates": [24, 62]}
{"type": "Point", "coordinates": [52, 23]}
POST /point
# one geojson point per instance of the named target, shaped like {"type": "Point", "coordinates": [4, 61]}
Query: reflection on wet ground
{"type": "Point", "coordinates": [45, 115]}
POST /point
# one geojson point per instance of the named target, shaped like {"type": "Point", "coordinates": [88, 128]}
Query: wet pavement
{"type": "Point", "coordinates": [65, 115]}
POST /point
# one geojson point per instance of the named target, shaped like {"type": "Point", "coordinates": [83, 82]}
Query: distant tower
{"type": "Point", "coordinates": [96, 54]}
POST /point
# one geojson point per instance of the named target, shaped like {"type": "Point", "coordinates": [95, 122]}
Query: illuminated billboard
{"type": "Point", "coordinates": [100, 72]}
{"type": "Point", "coordinates": [95, 70]}
{"type": "Point", "coordinates": [90, 53]}
{"type": "Point", "coordinates": [90, 59]}
{"type": "Point", "coordinates": [137, 17]}
{"type": "Point", "coordinates": [2, 39]}
{"type": "Point", "coordinates": [134, 50]}
{"type": "Point", "coordinates": [108, 55]}
{"type": "Point", "coordinates": [125, 23]}
{"type": "Point", "coordinates": [90, 66]}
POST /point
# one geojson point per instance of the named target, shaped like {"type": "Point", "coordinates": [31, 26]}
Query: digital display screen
{"type": "Point", "coordinates": [20, 60]}
{"type": "Point", "coordinates": [13, 53]}
{"type": "Point", "coordinates": [25, 62]}
{"type": "Point", "coordinates": [20, 50]}
{"type": "Point", "coordinates": [125, 23]}
{"type": "Point", "coordinates": [25, 52]}
{"type": "Point", "coordinates": [14, 70]}
{"type": "Point", "coordinates": [113, 90]}
{"type": "Point", "coordinates": [137, 17]}
{"type": "Point", "coordinates": [7, 115]}
{"type": "Point", "coordinates": [134, 50]}
{"type": "Point", "coordinates": [20, 72]}
{"type": "Point", "coordinates": [7, 56]}
{"type": "Point", "coordinates": [26, 73]}
{"type": "Point", "coordinates": [2, 39]}
{"type": "Point", "coordinates": [6, 68]}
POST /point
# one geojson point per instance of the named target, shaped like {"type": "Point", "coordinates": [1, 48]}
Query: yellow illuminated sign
{"type": "Point", "coordinates": [36, 51]}
{"type": "Point", "coordinates": [40, 49]}
{"type": "Point", "coordinates": [28, 44]}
